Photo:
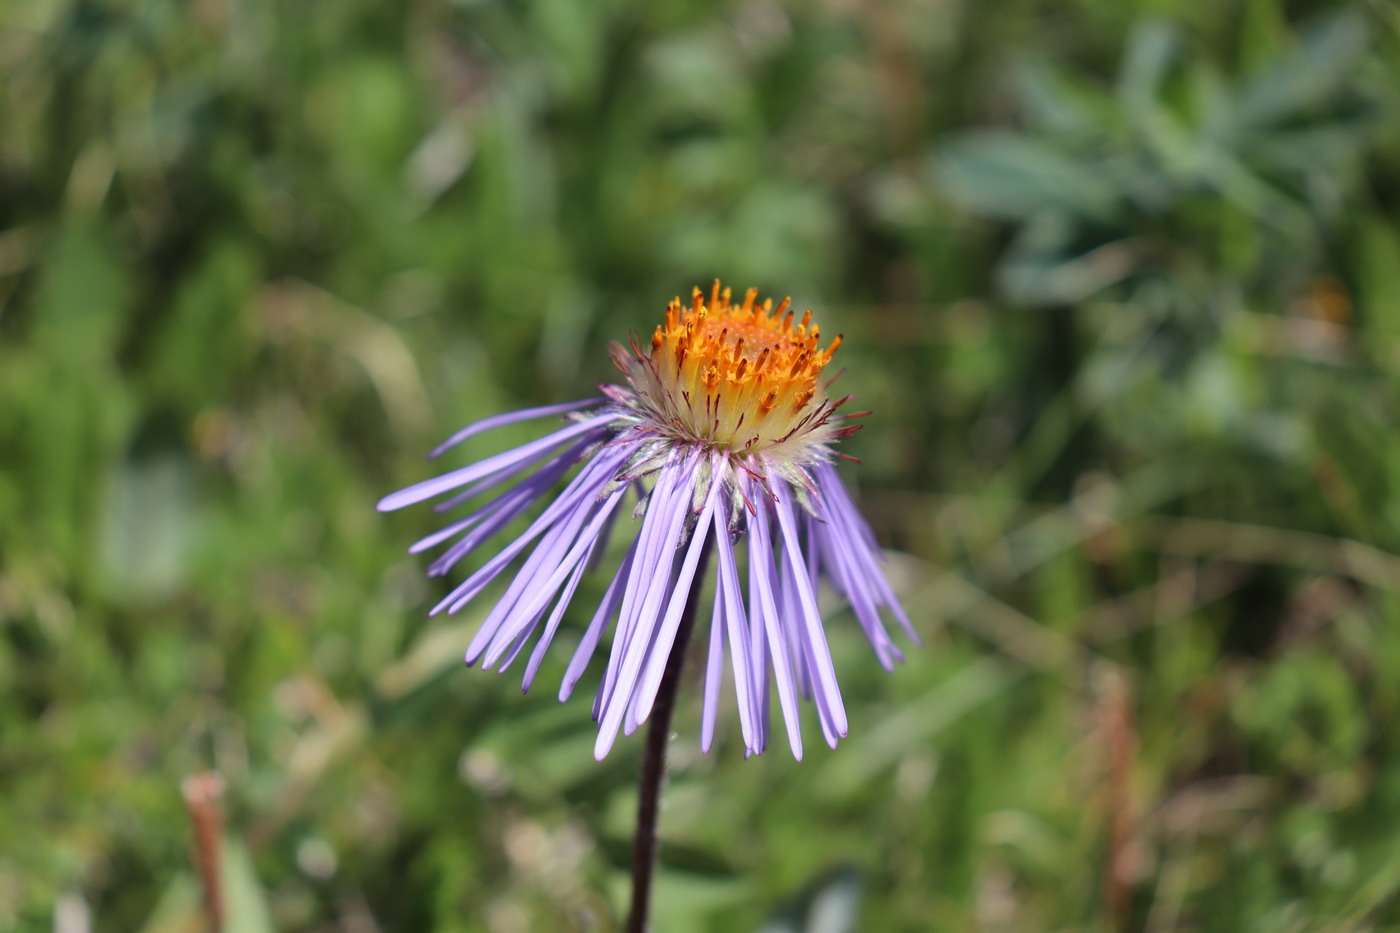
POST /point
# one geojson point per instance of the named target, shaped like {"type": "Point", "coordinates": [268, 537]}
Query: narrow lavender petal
{"type": "Point", "coordinates": [760, 661]}
{"type": "Point", "coordinates": [644, 626]}
{"type": "Point", "coordinates": [873, 555]}
{"type": "Point", "coordinates": [598, 696]}
{"type": "Point", "coordinates": [605, 535]}
{"type": "Point", "coordinates": [500, 625]}
{"type": "Point", "coordinates": [517, 498]}
{"type": "Point", "coordinates": [820, 654]}
{"type": "Point", "coordinates": [680, 593]}
{"type": "Point", "coordinates": [834, 569]}
{"type": "Point", "coordinates": [810, 524]}
{"type": "Point", "coordinates": [759, 664]}
{"type": "Point", "coordinates": [824, 712]}
{"type": "Point", "coordinates": [496, 421]}
{"type": "Point", "coordinates": [884, 593]}
{"type": "Point", "coordinates": [790, 611]}
{"type": "Point", "coordinates": [892, 603]}
{"type": "Point", "coordinates": [858, 593]}
{"type": "Point", "coordinates": [644, 574]}
{"type": "Point", "coordinates": [856, 569]}
{"type": "Point", "coordinates": [491, 629]}
{"type": "Point", "coordinates": [471, 587]}
{"type": "Point", "coordinates": [648, 537]}
{"type": "Point", "coordinates": [438, 485]}
{"type": "Point", "coordinates": [864, 559]}
{"type": "Point", "coordinates": [490, 482]}
{"type": "Point", "coordinates": [456, 528]}
{"type": "Point", "coordinates": [621, 695]}
{"type": "Point", "coordinates": [736, 628]}
{"type": "Point", "coordinates": [762, 577]}
{"type": "Point", "coordinates": [633, 590]}
{"type": "Point", "coordinates": [661, 548]}
{"type": "Point", "coordinates": [519, 604]}
{"type": "Point", "coordinates": [481, 485]}
{"type": "Point", "coordinates": [591, 635]}
{"type": "Point", "coordinates": [833, 486]}
{"type": "Point", "coordinates": [866, 611]}
{"type": "Point", "coordinates": [585, 484]}
{"type": "Point", "coordinates": [630, 721]}
{"type": "Point", "coordinates": [536, 594]}
{"type": "Point", "coordinates": [520, 499]}
{"type": "Point", "coordinates": [714, 674]}
{"type": "Point", "coordinates": [519, 644]}
{"type": "Point", "coordinates": [661, 542]}
{"type": "Point", "coordinates": [555, 617]}
{"type": "Point", "coordinates": [827, 719]}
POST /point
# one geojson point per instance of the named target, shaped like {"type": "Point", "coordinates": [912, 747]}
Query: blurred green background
{"type": "Point", "coordinates": [1120, 280]}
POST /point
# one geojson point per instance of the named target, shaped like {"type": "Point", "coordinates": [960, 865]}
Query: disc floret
{"type": "Point", "coordinates": [740, 379]}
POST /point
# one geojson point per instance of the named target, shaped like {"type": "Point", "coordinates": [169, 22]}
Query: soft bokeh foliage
{"type": "Point", "coordinates": [1121, 282]}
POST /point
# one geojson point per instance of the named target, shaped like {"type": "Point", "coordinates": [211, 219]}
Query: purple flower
{"type": "Point", "coordinates": [723, 432]}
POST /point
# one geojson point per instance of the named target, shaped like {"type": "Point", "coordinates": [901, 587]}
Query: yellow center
{"type": "Point", "coordinates": [742, 377]}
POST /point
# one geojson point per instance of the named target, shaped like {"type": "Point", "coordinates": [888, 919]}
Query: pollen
{"type": "Point", "coordinates": [744, 377]}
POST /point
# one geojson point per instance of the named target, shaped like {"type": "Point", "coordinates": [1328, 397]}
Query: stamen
{"type": "Point", "coordinates": [754, 363]}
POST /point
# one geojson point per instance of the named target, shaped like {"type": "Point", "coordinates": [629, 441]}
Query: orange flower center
{"type": "Point", "coordinates": [740, 376]}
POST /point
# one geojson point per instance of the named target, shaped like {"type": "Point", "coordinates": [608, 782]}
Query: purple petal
{"type": "Point", "coordinates": [568, 513]}
{"type": "Point", "coordinates": [714, 674]}
{"type": "Point", "coordinates": [527, 595]}
{"type": "Point", "coordinates": [670, 622]}
{"type": "Point", "coordinates": [438, 485]}
{"type": "Point", "coordinates": [832, 486]}
{"type": "Point", "coordinates": [840, 565]}
{"type": "Point", "coordinates": [643, 627]}
{"type": "Point", "coordinates": [853, 536]}
{"type": "Point", "coordinates": [642, 576]}
{"type": "Point", "coordinates": [552, 626]}
{"type": "Point", "coordinates": [762, 579]}
{"type": "Point", "coordinates": [736, 627]}
{"type": "Point", "coordinates": [538, 593]}
{"type": "Point", "coordinates": [496, 479]}
{"type": "Point", "coordinates": [505, 507]}
{"type": "Point", "coordinates": [496, 421]}
{"type": "Point", "coordinates": [815, 639]}
{"type": "Point", "coordinates": [758, 666]}
{"type": "Point", "coordinates": [519, 644]}
{"type": "Point", "coordinates": [592, 477]}
{"type": "Point", "coordinates": [589, 643]}
{"type": "Point", "coordinates": [790, 611]}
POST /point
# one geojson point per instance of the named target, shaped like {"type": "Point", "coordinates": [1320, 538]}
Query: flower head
{"type": "Point", "coordinates": [723, 431]}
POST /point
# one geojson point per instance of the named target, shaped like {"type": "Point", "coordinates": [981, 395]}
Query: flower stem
{"type": "Point", "coordinates": [202, 792]}
{"type": "Point", "coordinates": [654, 759]}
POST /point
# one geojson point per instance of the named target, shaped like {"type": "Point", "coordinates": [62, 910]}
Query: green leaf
{"type": "Point", "coordinates": [1326, 59]}
{"type": "Point", "coordinates": [245, 902]}
{"type": "Point", "coordinates": [1014, 177]}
